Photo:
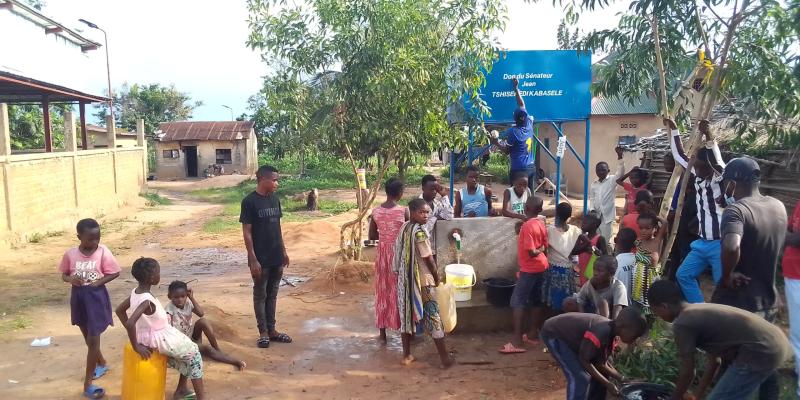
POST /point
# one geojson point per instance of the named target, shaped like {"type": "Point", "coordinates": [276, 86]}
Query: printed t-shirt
{"type": "Point", "coordinates": [89, 268]}
{"type": "Point", "coordinates": [520, 141]}
{"type": "Point", "coordinates": [264, 214]}
{"type": "Point", "coordinates": [181, 318]}
{"type": "Point", "coordinates": [626, 264]}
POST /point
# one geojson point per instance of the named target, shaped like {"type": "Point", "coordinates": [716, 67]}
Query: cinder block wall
{"type": "Point", "coordinates": [48, 192]}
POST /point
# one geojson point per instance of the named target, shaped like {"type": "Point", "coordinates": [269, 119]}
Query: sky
{"type": "Point", "coordinates": [199, 45]}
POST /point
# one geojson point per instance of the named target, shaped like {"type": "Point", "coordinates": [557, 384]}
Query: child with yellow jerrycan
{"type": "Point", "coordinates": [149, 331]}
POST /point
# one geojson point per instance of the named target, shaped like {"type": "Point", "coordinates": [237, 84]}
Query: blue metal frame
{"type": "Point", "coordinates": [557, 125]}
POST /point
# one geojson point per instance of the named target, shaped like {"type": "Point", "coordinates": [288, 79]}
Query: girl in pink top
{"type": "Point", "coordinates": [149, 329]}
{"type": "Point", "coordinates": [387, 219]}
{"type": "Point", "coordinates": [88, 268]}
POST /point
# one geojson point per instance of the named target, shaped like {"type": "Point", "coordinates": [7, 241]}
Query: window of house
{"type": "Point", "coordinates": [627, 140]}
{"type": "Point", "coordinates": [171, 153]}
{"type": "Point", "coordinates": [224, 156]}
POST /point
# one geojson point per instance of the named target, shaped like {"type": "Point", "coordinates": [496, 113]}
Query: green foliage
{"type": "Point", "coordinates": [566, 40]}
{"type": "Point", "coordinates": [38, 237]}
{"type": "Point", "coordinates": [152, 102]}
{"type": "Point", "coordinates": [655, 360]}
{"type": "Point", "coordinates": [154, 199]}
{"type": "Point", "coordinates": [374, 76]}
{"type": "Point", "coordinates": [497, 167]}
{"type": "Point", "coordinates": [27, 126]}
{"type": "Point", "coordinates": [760, 94]}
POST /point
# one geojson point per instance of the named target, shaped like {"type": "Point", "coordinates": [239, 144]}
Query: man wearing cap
{"type": "Point", "coordinates": [753, 231]}
{"type": "Point", "coordinates": [519, 141]}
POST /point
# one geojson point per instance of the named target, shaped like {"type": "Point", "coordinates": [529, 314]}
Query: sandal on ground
{"type": "Point", "coordinates": [263, 342]}
{"type": "Point", "coordinates": [94, 392]}
{"type": "Point", "coordinates": [281, 338]}
{"type": "Point", "coordinates": [190, 396]}
{"type": "Point", "coordinates": [99, 371]}
{"type": "Point", "coordinates": [511, 349]}
{"type": "Point", "coordinates": [526, 339]}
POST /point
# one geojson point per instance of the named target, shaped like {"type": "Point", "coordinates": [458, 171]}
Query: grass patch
{"type": "Point", "coordinates": [221, 224]}
{"type": "Point", "coordinates": [38, 237]}
{"type": "Point", "coordinates": [18, 322]}
{"type": "Point", "coordinates": [497, 166]}
{"type": "Point", "coordinates": [154, 199]}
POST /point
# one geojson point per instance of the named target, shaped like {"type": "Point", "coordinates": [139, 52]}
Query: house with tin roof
{"type": "Point", "coordinates": [187, 149]}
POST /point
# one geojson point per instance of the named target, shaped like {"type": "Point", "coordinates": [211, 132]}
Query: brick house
{"type": "Point", "coordinates": [186, 149]}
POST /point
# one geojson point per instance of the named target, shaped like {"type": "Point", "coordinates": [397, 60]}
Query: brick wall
{"type": "Point", "coordinates": [51, 191]}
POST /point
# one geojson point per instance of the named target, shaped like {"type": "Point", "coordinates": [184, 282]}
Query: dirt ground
{"type": "Point", "coordinates": [335, 354]}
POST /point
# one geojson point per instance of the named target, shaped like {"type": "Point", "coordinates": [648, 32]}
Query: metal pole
{"type": "Point", "coordinates": [586, 167]}
{"type": "Point", "coordinates": [452, 173]}
{"type": "Point", "coordinates": [557, 195]}
{"type": "Point", "coordinates": [108, 74]}
{"type": "Point", "coordinates": [469, 147]}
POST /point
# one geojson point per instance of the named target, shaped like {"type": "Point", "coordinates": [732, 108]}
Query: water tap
{"type": "Point", "coordinates": [456, 235]}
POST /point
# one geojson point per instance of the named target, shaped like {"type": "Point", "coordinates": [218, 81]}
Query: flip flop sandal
{"type": "Point", "coordinates": [511, 349]}
{"type": "Point", "coordinates": [282, 338]}
{"type": "Point", "coordinates": [534, 342]}
{"type": "Point", "coordinates": [263, 342]}
{"type": "Point", "coordinates": [190, 396]}
{"type": "Point", "coordinates": [99, 371]}
{"type": "Point", "coordinates": [94, 392]}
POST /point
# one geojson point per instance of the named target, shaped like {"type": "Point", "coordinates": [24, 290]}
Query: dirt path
{"type": "Point", "coordinates": [335, 354]}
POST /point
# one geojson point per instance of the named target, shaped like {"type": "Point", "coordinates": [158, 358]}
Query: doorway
{"type": "Point", "coordinates": [191, 161]}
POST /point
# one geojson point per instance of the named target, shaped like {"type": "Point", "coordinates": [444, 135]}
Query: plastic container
{"type": "Point", "coordinates": [143, 379]}
{"type": "Point", "coordinates": [462, 277]}
{"type": "Point", "coordinates": [361, 174]}
{"type": "Point", "coordinates": [447, 306]}
{"type": "Point", "coordinates": [498, 291]}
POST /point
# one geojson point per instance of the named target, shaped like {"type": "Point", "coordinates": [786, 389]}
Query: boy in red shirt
{"type": "Point", "coordinates": [791, 278]}
{"type": "Point", "coordinates": [531, 245]}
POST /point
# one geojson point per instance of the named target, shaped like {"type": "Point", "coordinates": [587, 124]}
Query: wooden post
{"type": "Point", "coordinates": [5, 131]}
{"type": "Point", "coordinates": [84, 134]}
{"type": "Point", "coordinates": [111, 130]}
{"type": "Point", "coordinates": [48, 137]}
{"type": "Point", "coordinates": [141, 141]}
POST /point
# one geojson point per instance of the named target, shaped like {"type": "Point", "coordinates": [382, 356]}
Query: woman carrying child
{"type": "Point", "coordinates": [387, 219]}
{"type": "Point", "coordinates": [149, 329]}
{"type": "Point", "coordinates": [560, 277]}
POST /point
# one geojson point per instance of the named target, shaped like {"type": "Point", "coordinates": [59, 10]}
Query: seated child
{"type": "Point", "coordinates": [753, 347]}
{"type": "Point", "coordinates": [648, 251]}
{"type": "Point", "coordinates": [149, 329]}
{"type": "Point", "coordinates": [180, 309]}
{"type": "Point", "coordinates": [582, 343]}
{"type": "Point", "coordinates": [644, 205]}
{"type": "Point", "coordinates": [416, 284]}
{"type": "Point", "coordinates": [474, 199]}
{"type": "Point", "coordinates": [604, 294]}
{"type": "Point", "coordinates": [531, 245]}
{"type": "Point", "coordinates": [589, 243]}
{"type": "Point", "coordinates": [88, 268]}
{"type": "Point", "coordinates": [639, 180]}
{"type": "Point", "coordinates": [515, 197]}
{"type": "Point", "coordinates": [625, 248]}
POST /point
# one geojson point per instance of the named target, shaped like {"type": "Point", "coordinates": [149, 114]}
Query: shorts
{"type": "Point", "coordinates": [90, 308]}
{"type": "Point", "coordinates": [528, 291]}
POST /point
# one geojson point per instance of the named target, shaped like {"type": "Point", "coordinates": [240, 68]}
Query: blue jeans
{"type": "Point", "coordinates": [580, 385]}
{"type": "Point", "coordinates": [704, 253]}
{"type": "Point", "coordinates": [739, 382]}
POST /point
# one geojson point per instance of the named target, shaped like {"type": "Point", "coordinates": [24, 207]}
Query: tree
{"type": "Point", "coordinates": [153, 103]}
{"type": "Point", "coordinates": [392, 67]}
{"type": "Point", "coordinates": [27, 126]}
{"type": "Point", "coordinates": [566, 41]}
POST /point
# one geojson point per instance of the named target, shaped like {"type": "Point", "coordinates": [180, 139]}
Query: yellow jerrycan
{"type": "Point", "coordinates": [447, 306]}
{"type": "Point", "coordinates": [143, 379]}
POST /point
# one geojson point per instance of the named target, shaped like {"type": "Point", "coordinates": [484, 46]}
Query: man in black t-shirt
{"type": "Point", "coordinates": [753, 231]}
{"type": "Point", "coordinates": [266, 253]}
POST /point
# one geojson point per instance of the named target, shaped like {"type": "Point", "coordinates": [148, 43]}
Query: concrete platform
{"type": "Point", "coordinates": [477, 315]}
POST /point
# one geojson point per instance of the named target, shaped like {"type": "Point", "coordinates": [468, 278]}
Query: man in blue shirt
{"type": "Point", "coordinates": [519, 141]}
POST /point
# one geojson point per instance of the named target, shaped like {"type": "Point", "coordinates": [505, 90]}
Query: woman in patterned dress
{"type": "Point", "coordinates": [387, 219]}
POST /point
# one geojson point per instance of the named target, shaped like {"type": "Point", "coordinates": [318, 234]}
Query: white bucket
{"type": "Point", "coordinates": [462, 278]}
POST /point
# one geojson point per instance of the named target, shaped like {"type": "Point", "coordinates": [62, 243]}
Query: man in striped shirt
{"type": "Point", "coordinates": [705, 251]}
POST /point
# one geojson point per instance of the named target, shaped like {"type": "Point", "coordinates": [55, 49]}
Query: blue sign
{"type": "Point", "coordinates": [553, 83]}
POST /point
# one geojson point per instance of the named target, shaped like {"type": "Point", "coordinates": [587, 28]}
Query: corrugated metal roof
{"type": "Point", "coordinates": [204, 130]}
{"type": "Point", "coordinates": [619, 106]}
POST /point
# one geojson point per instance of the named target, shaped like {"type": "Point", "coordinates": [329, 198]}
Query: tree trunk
{"type": "Point", "coordinates": [302, 161]}
{"type": "Point", "coordinates": [312, 201]}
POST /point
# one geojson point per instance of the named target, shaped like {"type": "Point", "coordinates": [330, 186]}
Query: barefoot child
{"type": "Point", "coordinates": [88, 268]}
{"type": "Point", "coordinates": [531, 245]}
{"type": "Point", "coordinates": [560, 277]}
{"type": "Point", "coordinates": [752, 347]}
{"type": "Point", "coordinates": [416, 283]}
{"type": "Point", "coordinates": [604, 294]}
{"type": "Point", "coordinates": [582, 343]}
{"type": "Point", "coordinates": [149, 329]}
{"type": "Point", "coordinates": [180, 309]}
{"type": "Point", "coordinates": [387, 219]}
